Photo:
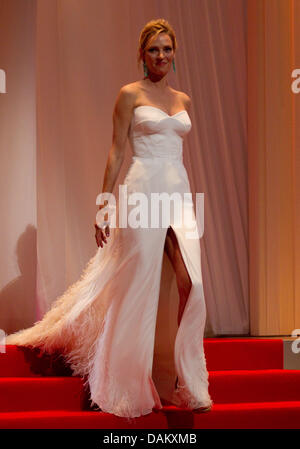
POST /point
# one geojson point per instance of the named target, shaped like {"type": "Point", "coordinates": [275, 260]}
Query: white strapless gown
{"type": "Point", "coordinates": [104, 324]}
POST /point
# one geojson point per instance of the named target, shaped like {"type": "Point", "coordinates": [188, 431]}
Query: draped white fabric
{"type": "Point", "coordinates": [105, 322]}
{"type": "Point", "coordinates": [77, 56]}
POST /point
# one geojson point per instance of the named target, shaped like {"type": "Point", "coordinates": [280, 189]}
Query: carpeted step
{"type": "Point", "coordinates": [243, 353]}
{"type": "Point", "coordinates": [254, 385]}
{"type": "Point", "coordinates": [247, 383]}
{"type": "Point", "coordinates": [24, 361]}
{"type": "Point", "coordinates": [262, 415]}
{"type": "Point", "coordinates": [43, 393]}
{"type": "Point", "coordinates": [64, 419]}
{"type": "Point", "coordinates": [221, 354]}
{"type": "Point", "coordinates": [251, 415]}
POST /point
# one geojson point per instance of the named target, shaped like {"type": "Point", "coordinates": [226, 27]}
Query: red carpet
{"type": "Point", "coordinates": [248, 385]}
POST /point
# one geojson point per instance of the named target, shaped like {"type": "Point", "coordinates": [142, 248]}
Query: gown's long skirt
{"type": "Point", "coordinates": [104, 324]}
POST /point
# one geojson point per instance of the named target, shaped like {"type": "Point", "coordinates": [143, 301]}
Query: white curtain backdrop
{"type": "Point", "coordinates": [65, 62]}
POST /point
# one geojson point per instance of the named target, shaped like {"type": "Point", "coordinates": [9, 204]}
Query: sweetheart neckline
{"type": "Point", "coordinates": [154, 107]}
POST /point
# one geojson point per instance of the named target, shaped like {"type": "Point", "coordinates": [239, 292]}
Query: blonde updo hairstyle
{"type": "Point", "coordinates": [153, 29]}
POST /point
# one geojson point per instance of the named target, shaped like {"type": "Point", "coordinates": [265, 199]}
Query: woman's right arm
{"type": "Point", "coordinates": [121, 121]}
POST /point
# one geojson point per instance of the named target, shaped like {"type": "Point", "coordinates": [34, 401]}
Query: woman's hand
{"type": "Point", "coordinates": [102, 234]}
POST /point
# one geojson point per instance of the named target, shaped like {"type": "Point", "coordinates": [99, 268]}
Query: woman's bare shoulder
{"type": "Point", "coordinates": [184, 98]}
{"type": "Point", "coordinates": [126, 97]}
{"type": "Point", "coordinates": [128, 94]}
{"type": "Point", "coordinates": [130, 88]}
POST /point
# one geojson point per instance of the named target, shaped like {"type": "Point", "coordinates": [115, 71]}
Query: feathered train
{"type": "Point", "coordinates": [75, 321]}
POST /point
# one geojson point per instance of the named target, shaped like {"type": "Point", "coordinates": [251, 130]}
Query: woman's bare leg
{"type": "Point", "coordinates": [183, 280]}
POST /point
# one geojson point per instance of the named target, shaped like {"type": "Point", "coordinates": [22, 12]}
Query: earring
{"type": "Point", "coordinates": [173, 62]}
{"type": "Point", "coordinates": [145, 69]}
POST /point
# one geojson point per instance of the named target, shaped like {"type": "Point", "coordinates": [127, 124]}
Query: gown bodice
{"type": "Point", "coordinates": [156, 140]}
{"type": "Point", "coordinates": [155, 134]}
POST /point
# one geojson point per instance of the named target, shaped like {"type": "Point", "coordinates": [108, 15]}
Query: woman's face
{"type": "Point", "coordinates": [159, 54]}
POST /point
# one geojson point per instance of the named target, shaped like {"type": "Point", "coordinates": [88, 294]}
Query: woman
{"type": "Point", "coordinates": [104, 324]}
